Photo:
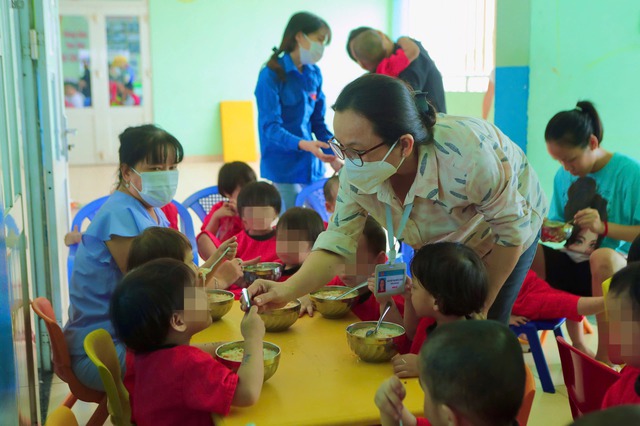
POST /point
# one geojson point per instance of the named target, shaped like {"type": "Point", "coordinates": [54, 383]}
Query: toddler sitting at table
{"type": "Point", "coordinates": [296, 232]}
{"type": "Point", "coordinates": [623, 308]}
{"type": "Point", "coordinates": [155, 310]}
{"type": "Point", "coordinates": [222, 222]}
{"type": "Point", "coordinates": [480, 381]}
{"type": "Point", "coordinates": [450, 284]}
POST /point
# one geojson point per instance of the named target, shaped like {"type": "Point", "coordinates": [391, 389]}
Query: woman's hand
{"type": "Point", "coordinates": [405, 365]}
{"type": "Point", "coordinates": [270, 294]}
{"type": "Point", "coordinates": [316, 147]}
{"type": "Point", "coordinates": [306, 306]}
{"type": "Point", "coordinates": [589, 219]}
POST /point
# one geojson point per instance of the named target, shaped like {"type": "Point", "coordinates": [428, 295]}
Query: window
{"type": "Point", "coordinates": [458, 34]}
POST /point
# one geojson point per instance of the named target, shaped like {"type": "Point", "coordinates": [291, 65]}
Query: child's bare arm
{"type": "Point", "coordinates": [251, 372]}
{"type": "Point", "coordinates": [205, 246]}
{"type": "Point", "coordinates": [410, 47]}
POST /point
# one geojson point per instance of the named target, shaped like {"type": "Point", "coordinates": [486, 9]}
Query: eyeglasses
{"type": "Point", "coordinates": [354, 155]}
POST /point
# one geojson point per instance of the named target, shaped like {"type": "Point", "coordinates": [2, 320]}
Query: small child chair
{"type": "Point", "coordinates": [530, 329]}
{"type": "Point", "coordinates": [587, 380]}
{"type": "Point", "coordinates": [87, 212]}
{"type": "Point", "coordinates": [312, 196]}
{"type": "Point", "coordinates": [62, 364]}
{"type": "Point", "coordinates": [202, 201]}
{"type": "Point", "coordinates": [102, 352]}
{"type": "Point", "coordinates": [527, 400]}
{"type": "Point", "coordinates": [61, 416]}
{"type": "Point", "coordinates": [186, 227]}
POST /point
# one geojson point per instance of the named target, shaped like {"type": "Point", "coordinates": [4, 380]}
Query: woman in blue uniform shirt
{"type": "Point", "coordinates": [291, 108]}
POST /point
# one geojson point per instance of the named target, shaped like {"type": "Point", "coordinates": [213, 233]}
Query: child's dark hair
{"type": "Point", "coordinates": [328, 195]}
{"type": "Point", "coordinates": [352, 35]}
{"type": "Point", "coordinates": [369, 46]}
{"type": "Point", "coordinates": [147, 142]}
{"type": "Point", "coordinates": [259, 194]}
{"type": "Point", "coordinates": [375, 235]}
{"type": "Point", "coordinates": [155, 243]}
{"type": "Point", "coordinates": [574, 127]}
{"type": "Point", "coordinates": [634, 251]}
{"type": "Point", "coordinates": [477, 369]}
{"type": "Point", "coordinates": [454, 275]}
{"type": "Point", "coordinates": [582, 194]}
{"type": "Point", "coordinates": [306, 221]}
{"type": "Point", "coordinates": [626, 283]}
{"type": "Point", "coordinates": [304, 22]}
{"type": "Point", "coordinates": [233, 175]}
{"type": "Point", "coordinates": [144, 301]}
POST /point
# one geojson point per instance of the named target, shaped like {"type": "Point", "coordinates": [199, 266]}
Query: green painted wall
{"type": "Point", "coordinates": [513, 27]}
{"type": "Point", "coordinates": [206, 51]}
{"type": "Point", "coordinates": [584, 50]}
{"type": "Point", "coordinates": [466, 103]}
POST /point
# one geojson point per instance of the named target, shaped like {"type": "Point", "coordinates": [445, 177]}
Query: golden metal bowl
{"type": "Point", "coordinates": [380, 347]}
{"type": "Point", "coordinates": [333, 308]}
{"type": "Point", "coordinates": [265, 271]}
{"type": "Point", "coordinates": [271, 356]}
{"type": "Point", "coordinates": [281, 319]}
{"type": "Point", "coordinates": [554, 231]}
{"type": "Point", "coordinates": [220, 302]}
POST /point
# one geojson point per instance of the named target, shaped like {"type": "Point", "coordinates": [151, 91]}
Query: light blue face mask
{"type": "Point", "coordinates": [313, 54]}
{"type": "Point", "coordinates": [158, 188]}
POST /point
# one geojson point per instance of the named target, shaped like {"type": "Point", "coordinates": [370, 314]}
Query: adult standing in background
{"type": "Point", "coordinates": [291, 109]}
{"type": "Point", "coordinates": [422, 73]}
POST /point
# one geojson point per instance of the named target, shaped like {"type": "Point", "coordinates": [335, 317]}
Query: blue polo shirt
{"type": "Point", "coordinates": [95, 271]}
{"type": "Point", "coordinates": [289, 111]}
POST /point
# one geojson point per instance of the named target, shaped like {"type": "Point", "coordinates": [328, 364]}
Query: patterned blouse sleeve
{"type": "Point", "coordinates": [346, 224]}
{"type": "Point", "coordinates": [493, 187]}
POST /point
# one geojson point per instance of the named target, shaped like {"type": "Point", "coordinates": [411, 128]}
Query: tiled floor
{"type": "Point", "coordinates": [548, 409]}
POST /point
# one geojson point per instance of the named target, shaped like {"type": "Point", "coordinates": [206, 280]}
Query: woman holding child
{"type": "Point", "coordinates": [441, 178]}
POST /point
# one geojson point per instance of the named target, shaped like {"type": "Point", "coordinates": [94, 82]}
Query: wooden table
{"type": "Point", "coordinates": [319, 380]}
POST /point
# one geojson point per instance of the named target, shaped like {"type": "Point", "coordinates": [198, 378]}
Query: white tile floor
{"type": "Point", "coordinates": [88, 183]}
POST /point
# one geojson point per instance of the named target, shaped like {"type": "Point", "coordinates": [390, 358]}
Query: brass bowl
{"type": "Point", "coordinates": [333, 308]}
{"type": "Point", "coordinates": [281, 319]}
{"type": "Point", "coordinates": [376, 348]}
{"type": "Point", "coordinates": [220, 303]}
{"type": "Point", "coordinates": [270, 362]}
{"type": "Point", "coordinates": [266, 271]}
{"type": "Point", "coordinates": [554, 231]}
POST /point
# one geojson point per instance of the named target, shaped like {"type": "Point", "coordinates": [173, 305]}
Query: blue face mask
{"type": "Point", "coordinates": [313, 54]}
{"type": "Point", "coordinates": [158, 188]}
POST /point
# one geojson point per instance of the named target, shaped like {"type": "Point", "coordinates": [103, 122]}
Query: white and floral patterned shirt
{"type": "Point", "coordinates": [473, 185]}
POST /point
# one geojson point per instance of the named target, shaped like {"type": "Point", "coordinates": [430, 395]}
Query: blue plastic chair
{"type": "Point", "coordinates": [312, 196]}
{"type": "Point", "coordinates": [202, 201]}
{"type": "Point", "coordinates": [530, 330]}
{"type": "Point", "coordinates": [88, 212]}
{"type": "Point", "coordinates": [405, 254]}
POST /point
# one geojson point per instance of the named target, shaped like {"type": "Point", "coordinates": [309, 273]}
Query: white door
{"type": "Point", "coordinates": [106, 68]}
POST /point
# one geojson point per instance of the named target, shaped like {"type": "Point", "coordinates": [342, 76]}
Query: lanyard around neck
{"type": "Point", "coordinates": [401, 226]}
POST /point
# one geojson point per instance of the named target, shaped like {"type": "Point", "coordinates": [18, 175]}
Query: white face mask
{"type": "Point", "coordinates": [368, 177]}
{"type": "Point", "coordinates": [313, 54]}
{"type": "Point", "coordinates": [158, 188]}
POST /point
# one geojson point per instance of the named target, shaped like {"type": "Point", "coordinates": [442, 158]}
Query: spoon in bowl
{"type": "Point", "coordinates": [356, 288]}
{"type": "Point", "coordinates": [375, 330]}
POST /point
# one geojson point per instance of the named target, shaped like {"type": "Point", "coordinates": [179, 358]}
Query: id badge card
{"type": "Point", "coordinates": [390, 279]}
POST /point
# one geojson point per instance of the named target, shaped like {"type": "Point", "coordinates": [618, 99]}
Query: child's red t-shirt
{"type": "Point", "coordinates": [367, 307]}
{"type": "Point", "coordinates": [623, 391]}
{"type": "Point", "coordinates": [228, 225]}
{"type": "Point", "coordinates": [394, 64]}
{"type": "Point", "coordinates": [181, 385]}
{"type": "Point", "coordinates": [251, 247]}
{"type": "Point", "coordinates": [425, 325]}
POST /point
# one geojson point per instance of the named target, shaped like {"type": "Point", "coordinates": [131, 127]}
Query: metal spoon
{"type": "Point", "coordinates": [375, 330]}
{"type": "Point", "coordinates": [356, 288]}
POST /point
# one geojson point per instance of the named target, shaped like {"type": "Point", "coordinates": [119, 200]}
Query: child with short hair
{"type": "Point", "coordinates": [372, 55]}
{"type": "Point", "coordinates": [222, 222]}
{"type": "Point", "coordinates": [623, 308]}
{"type": "Point", "coordinates": [296, 232]}
{"type": "Point", "coordinates": [450, 284]}
{"type": "Point", "coordinates": [156, 309]}
{"type": "Point", "coordinates": [330, 190]}
{"type": "Point", "coordinates": [472, 373]}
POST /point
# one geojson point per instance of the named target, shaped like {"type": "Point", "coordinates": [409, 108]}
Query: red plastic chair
{"type": "Point", "coordinates": [587, 380]}
{"type": "Point", "coordinates": [62, 365]}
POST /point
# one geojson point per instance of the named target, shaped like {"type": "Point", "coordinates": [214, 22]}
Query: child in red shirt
{"type": "Point", "coordinates": [371, 54]}
{"type": "Point", "coordinates": [222, 222]}
{"type": "Point", "coordinates": [155, 310]}
{"type": "Point", "coordinates": [472, 373]}
{"type": "Point", "coordinates": [623, 308]}
{"type": "Point", "coordinates": [450, 285]}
